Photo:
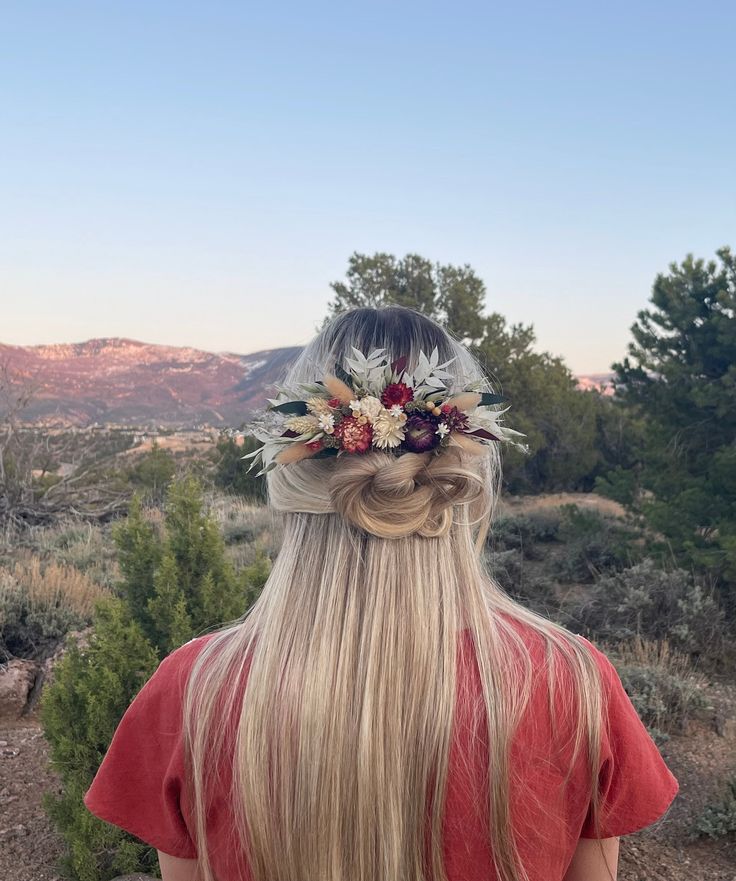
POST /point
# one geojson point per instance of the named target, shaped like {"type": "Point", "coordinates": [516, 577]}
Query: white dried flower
{"type": "Point", "coordinates": [370, 407]}
{"type": "Point", "coordinates": [442, 429]}
{"type": "Point", "coordinates": [397, 411]}
{"type": "Point", "coordinates": [327, 422]}
{"type": "Point", "coordinates": [355, 405]}
{"type": "Point", "coordinates": [387, 430]}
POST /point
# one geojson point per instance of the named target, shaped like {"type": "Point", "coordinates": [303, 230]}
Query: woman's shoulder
{"type": "Point", "coordinates": [538, 640]}
{"type": "Point", "coordinates": [169, 678]}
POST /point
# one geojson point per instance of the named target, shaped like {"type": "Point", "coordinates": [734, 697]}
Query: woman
{"type": "Point", "coordinates": [384, 711]}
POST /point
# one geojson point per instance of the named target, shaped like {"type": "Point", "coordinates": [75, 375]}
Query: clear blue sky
{"type": "Point", "coordinates": [197, 173]}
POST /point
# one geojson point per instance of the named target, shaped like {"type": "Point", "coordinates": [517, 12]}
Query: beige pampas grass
{"type": "Point", "coordinates": [294, 453]}
{"type": "Point", "coordinates": [472, 446]}
{"type": "Point", "coordinates": [338, 389]}
{"type": "Point", "coordinates": [464, 401]}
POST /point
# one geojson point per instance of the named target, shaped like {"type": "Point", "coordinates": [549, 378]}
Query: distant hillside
{"type": "Point", "coordinates": [128, 382]}
{"type": "Point", "coordinates": [600, 381]}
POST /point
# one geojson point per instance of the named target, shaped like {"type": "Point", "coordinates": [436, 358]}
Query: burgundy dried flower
{"type": "Point", "coordinates": [396, 393]}
{"type": "Point", "coordinates": [420, 434]}
{"type": "Point", "coordinates": [455, 419]}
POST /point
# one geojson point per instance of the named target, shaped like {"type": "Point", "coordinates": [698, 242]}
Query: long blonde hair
{"type": "Point", "coordinates": [340, 738]}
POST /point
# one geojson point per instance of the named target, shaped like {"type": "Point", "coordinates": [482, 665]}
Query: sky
{"type": "Point", "coordinates": [198, 173]}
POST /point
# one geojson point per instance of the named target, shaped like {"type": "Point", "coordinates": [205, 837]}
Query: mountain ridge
{"type": "Point", "coordinates": [127, 381]}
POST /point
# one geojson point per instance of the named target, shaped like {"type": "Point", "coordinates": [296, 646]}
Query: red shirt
{"type": "Point", "coordinates": [139, 785]}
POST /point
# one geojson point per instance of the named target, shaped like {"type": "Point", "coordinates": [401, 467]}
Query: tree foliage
{"type": "Point", "coordinates": [177, 581]}
{"type": "Point", "coordinates": [80, 711]}
{"type": "Point", "coordinates": [452, 295]}
{"type": "Point", "coordinates": [561, 421]}
{"type": "Point", "coordinates": [153, 472]}
{"type": "Point", "coordinates": [231, 470]}
{"type": "Point", "coordinates": [680, 380]}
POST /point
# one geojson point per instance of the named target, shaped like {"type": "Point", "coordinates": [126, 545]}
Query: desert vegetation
{"type": "Point", "coordinates": [620, 525]}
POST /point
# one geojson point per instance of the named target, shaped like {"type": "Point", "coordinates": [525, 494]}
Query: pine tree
{"type": "Point", "coordinates": [680, 379]}
{"type": "Point", "coordinates": [168, 607]}
{"type": "Point", "coordinates": [79, 712]}
{"type": "Point", "coordinates": [231, 470]}
{"type": "Point", "coordinates": [563, 424]}
{"type": "Point", "coordinates": [177, 581]}
{"type": "Point", "coordinates": [139, 554]}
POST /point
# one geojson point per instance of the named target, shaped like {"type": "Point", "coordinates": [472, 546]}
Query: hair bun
{"type": "Point", "coordinates": [394, 496]}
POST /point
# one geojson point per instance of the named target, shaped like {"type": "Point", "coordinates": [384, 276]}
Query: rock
{"type": "Point", "coordinates": [17, 678]}
{"type": "Point", "coordinates": [47, 666]}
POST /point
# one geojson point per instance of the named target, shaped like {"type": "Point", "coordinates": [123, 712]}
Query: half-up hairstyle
{"type": "Point", "coordinates": [340, 732]}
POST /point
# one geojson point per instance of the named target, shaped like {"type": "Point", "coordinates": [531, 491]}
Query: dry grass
{"type": "Point", "coordinates": [77, 543]}
{"type": "Point", "coordinates": [53, 585]}
{"type": "Point", "coordinates": [247, 527]}
{"type": "Point", "coordinates": [658, 653]}
{"type": "Point", "coordinates": [666, 688]}
{"type": "Point", "coordinates": [510, 505]}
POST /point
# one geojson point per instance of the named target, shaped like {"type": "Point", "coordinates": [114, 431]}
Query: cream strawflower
{"type": "Point", "coordinates": [388, 431]}
{"type": "Point", "coordinates": [370, 407]}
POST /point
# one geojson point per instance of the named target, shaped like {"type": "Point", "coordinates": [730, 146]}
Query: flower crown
{"type": "Point", "coordinates": [373, 403]}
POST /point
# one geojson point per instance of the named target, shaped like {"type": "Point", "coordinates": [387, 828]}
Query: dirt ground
{"type": "Point", "coordinates": [29, 844]}
{"type": "Point", "coordinates": [700, 759]}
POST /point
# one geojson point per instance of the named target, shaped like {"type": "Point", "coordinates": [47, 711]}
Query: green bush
{"type": "Point", "coordinates": [594, 544]}
{"type": "Point", "coordinates": [522, 583]}
{"type": "Point", "coordinates": [80, 711]}
{"type": "Point", "coordinates": [653, 603]}
{"type": "Point", "coordinates": [177, 581]}
{"type": "Point", "coordinates": [664, 699]}
{"type": "Point", "coordinates": [719, 820]}
{"type": "Point", "coordinates": [525, 531]}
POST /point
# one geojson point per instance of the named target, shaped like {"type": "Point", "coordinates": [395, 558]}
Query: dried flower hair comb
{"type": "Point", "coordinates": [373, 403]}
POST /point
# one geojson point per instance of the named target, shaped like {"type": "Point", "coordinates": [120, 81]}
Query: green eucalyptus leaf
{"type": "Point", "coordinates": [299, 408]}
{"type": "Point", "coordinates": [342, 374]}
{"type": "Point", "coordinates": [487, 398]}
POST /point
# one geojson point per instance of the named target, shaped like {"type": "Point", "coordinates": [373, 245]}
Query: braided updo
{"type": "Point", "coordinates": [379, 492]}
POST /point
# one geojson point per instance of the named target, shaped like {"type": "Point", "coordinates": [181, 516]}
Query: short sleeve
{"type": "Point", "coordinates": [636, 786]}
{"type": "Point", "coordinates": [139, 783]}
